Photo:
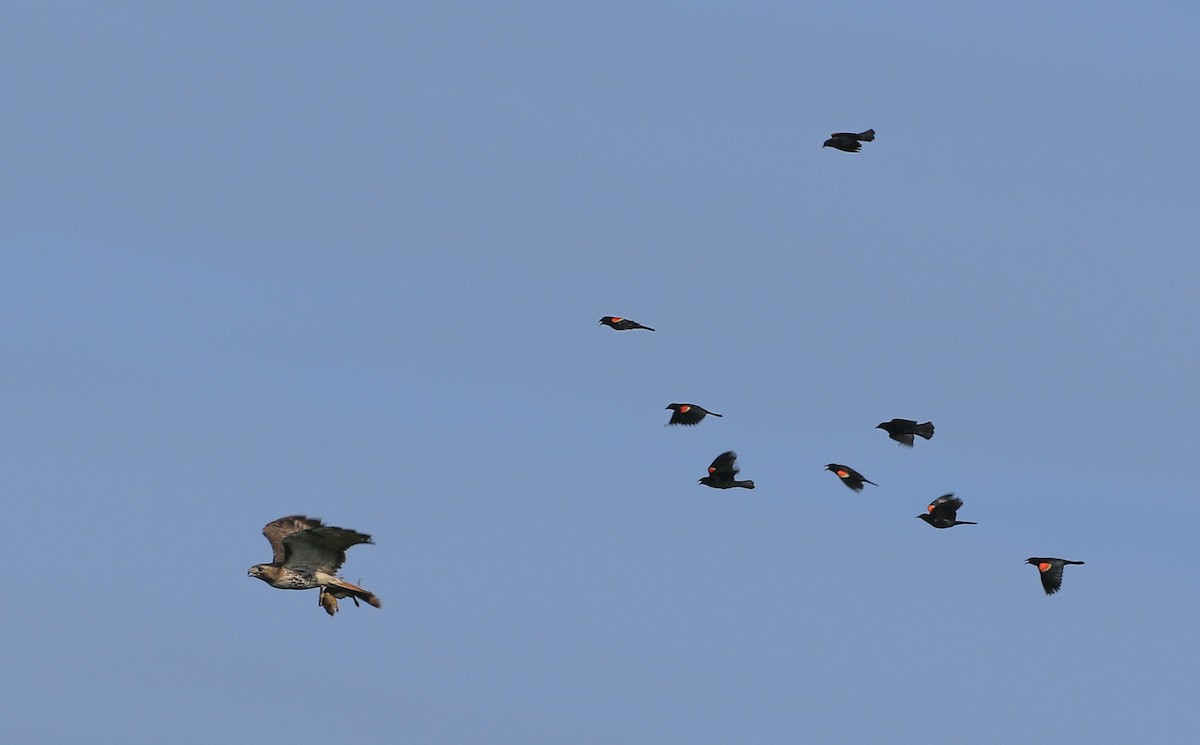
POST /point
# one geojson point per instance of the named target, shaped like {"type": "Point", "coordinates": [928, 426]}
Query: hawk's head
{"type": "Point", "coordinates": [260, 571]}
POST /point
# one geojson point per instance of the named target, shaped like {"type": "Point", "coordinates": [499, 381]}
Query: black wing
{"type": "Point", "coordinates": [686, 414]}
{"type": "Point", "coordinates": [945, 506]}
{"type": "Point", "coordinates": [1051, 574]}
{"type": "Point", "coordinates": [723, 465]}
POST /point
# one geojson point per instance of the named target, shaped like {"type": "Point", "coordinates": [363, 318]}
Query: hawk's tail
{"type": "Point", "coordinates": [355, 591]}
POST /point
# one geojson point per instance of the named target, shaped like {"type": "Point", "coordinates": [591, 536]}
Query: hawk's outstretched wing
{"type": "Point", "coordinates": [321, 547]}
{"type": "Point", "coordinates": [277, 530]}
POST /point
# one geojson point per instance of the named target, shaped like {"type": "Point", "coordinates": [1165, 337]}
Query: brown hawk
{"type": "Point", "coordinates": [309, 554]}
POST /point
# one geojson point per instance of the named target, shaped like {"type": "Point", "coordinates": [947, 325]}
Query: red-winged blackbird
{"type": "Point", "coordinates": [622, 324]}
{"type": "Point", "coordinates": [722, 472]}
{"type": "Point", "coordinates": [688, 414]}
{"type": "Point", "coordinates": [1050, 571]}
{"type": "Point", "coordinates": [849, 476]}
{"type": "Point", "coordinates": [941, 512]}
{"type": "Point", "coordinates": [848, 141]}
{"type": "Point", "coordinates": [902, 430]}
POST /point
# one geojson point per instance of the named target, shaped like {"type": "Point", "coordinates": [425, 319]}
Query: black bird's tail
{"type": "Point", "coordinates": [749, 484]}
{"type": "Point", "coordinates": [964, 522]}
{"type": "Point", "coordinates": [924, 430]}
{"type": "Point", "coordinates": [645, 327]}
{"type": "Point", "coordinates": [868, 136]}
{"type": "Point", "coordinates": [713, 413]}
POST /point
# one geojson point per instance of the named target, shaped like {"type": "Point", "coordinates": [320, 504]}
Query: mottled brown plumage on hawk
{"type": "Point", "coordinates": [308, 555]}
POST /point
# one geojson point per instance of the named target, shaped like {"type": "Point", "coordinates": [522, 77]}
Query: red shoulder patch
{"type": "Point", "coordinates": [1044, 566]}
{"type": "Point", "coordinates": [843, 475]}
{"type": "Point", "coordinates": [684, 409]}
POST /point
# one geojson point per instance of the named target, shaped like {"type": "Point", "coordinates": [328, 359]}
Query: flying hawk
{"type": "Point", "coordinates": [309, 554]}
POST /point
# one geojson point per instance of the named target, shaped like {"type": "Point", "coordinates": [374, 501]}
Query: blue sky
{"type": "Point", "coordinates": [347, 261]}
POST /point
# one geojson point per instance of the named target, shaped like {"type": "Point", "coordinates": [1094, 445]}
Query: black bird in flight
{"type": "Point", "coordinates": [943, 511]}
{"type": "Point", "coordinates": [688, 414]}
{"type": "Point", "coordinates": [1050, 571]}
{"type": "Point", "coordinates": [722, 472]}
{"type": "Point", "coordinates": [849, 476]}
{"type": "Point", "coordinates": [902, 430]}
{"type": "Point", "coordinates": [848, 141]}
{"type": "Point", "coordinates": [622, 324]}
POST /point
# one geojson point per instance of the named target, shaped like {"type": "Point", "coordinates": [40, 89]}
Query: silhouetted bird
{"type": "Point", "coordinates": [941, 512]}
{"type": "Point", "coordinates": [622, 324]}
{"type": "Point", "coordinates": [902, 430]}
{"type": "Point", "coordinates": [849, 476]}
{"type": "Point", "coordinates": [688, 414]}
{"type": "Point", "coordinates": [722, 472]}
{"type": "Point", "coordinates": [848, 141]}
{"type": "Point", "coordinates": [1050, 571]}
